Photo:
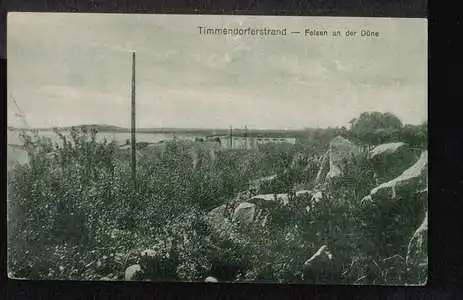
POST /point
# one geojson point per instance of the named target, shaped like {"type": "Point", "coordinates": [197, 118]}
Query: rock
{"type": "Point", "coordinates": [321, 254]}
{"type": "Point", "coordinates": [414, 178]}
{"type": "Point", "coordinates": [244, 213]}
{"type": "Point", "coordinates": [390, 160]}
{"type": "Point", "coordinates": [133, 272]}
{"type": "Point", "coordinates": [389, 148]}
{"type": "Point", "coordinates": [318, 268]}
{"type": "Point", "coordinates": [107, 278]}
{"type": "Point", "coordinates": [303, 193]}
{"type": "Point", "coordinates": [217, 215]}
{"type": "Point", "coordinates": [417, 253]}
{"type": "Point", "coordinates": [217, 220]}
{"type": "Point", "coordinates": [283, 198]}
{"type": "Point", "coordinates": [317, 197]}
{"type": "Point", "coordinates": [393, 210]}
{"type": "Point", "coordinates": [211, 279]}
{"type": "Point", "coordinates": [341, 151]}
{"type": "Point", "coordinates": [279, 198]}
{"type": "Point", "coordinates": [265, 197]}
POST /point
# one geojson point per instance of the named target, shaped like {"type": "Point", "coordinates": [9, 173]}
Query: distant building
{"type": "Point", "coordinates": [262, 140]}
{"type": "Point", "coordinates": [241, 142]}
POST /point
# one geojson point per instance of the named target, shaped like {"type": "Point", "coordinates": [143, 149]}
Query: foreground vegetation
{"type": "Point", "coordinates": [74, 213]}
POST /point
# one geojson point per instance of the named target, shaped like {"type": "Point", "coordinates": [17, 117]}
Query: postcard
{"type": "Point", "coordinates": [217, 148]}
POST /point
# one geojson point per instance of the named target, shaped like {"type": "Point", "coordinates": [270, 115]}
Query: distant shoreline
{"type": "Point", "coordinates": [192, 131]}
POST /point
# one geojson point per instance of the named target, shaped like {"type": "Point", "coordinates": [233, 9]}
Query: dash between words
{"type": "Point", "coordinates": [265, 31]}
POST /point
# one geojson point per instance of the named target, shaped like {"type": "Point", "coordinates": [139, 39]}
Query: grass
{"type": "Point", "coordinates": [76, 214]}
{"type": "Point", "coordinates": [15, 156]}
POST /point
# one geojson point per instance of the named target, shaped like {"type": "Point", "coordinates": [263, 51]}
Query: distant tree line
{"type": "Point", "coordinates": [370, 128]}
{"type": "Point", "coordinates": [378, 128]}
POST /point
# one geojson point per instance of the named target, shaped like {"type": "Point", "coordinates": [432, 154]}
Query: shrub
{"type": "Point", "coordinates": [73, 212]}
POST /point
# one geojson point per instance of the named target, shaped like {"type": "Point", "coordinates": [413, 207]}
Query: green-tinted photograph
{"type": "Point", "coordinates": [215, 148]}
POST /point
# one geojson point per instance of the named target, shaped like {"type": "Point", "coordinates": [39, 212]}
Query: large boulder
{"type": "Point", "coordinates": [417, 248]}
{"type": "Point", "coordinates": [394, 209]}
{"type": "Point", "coordinates": [341, 152]}
{"type": "Point", "coordinates": [244, 213]}
{"type": "Point", "coordinates": [413, 179]}
{"type": "Point", "coordinates": [390, 160]}
{"type": "Point", "coordinates": [218, 221]}
{"type": "Point", "coordinates": [217, 215]}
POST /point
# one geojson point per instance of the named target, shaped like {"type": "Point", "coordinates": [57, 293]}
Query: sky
{"type": "Point", "coordinates": [70, 69]}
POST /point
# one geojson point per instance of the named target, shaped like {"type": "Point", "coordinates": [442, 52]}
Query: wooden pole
{"type": "Point", "coordinates": [246, 137]}
{"type": "Point", "coordinates": [133, 129]}
{"type": "Point", "coordinates": [231, 137]}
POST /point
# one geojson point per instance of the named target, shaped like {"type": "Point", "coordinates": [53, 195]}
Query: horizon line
{"type": "Point", "coordinates": [244, 127]}
{"type": "Point", "coordinates": [171, 128]}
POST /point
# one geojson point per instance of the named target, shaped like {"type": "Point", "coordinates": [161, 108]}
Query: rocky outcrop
{"type": "Point", "coordinates": [393, 210]}
{"type": "Point", "coordinates": [334, 161]}
{"type": "Point", "coordinates": [218, 221]}
{"type": "Point", "coordinates": [417, 254]}
{"type": "Point", "coordinates": [390, 160]}
{"type": "Point", "coordinates": [417, 248]}
{"type": "Point", "coordinates": [217, 215]}
{"type": "Point", "coordinates": [244, 213]}
{"type": "Point", "coordinates": [414, 179]}
{"type": "Point", "coordinates": [341, 152]}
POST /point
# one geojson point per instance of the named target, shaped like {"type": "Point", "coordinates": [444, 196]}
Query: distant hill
{"type": "Point", "coordinates": [237, 132]}
{"type": "Point", "coordinates": [100, 128]}
{"type": "Point", "coordinates": [192, 131]}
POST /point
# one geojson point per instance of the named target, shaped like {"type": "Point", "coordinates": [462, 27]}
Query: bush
{"type": "Point", "coordinates": [77, 192]}
{"type": "Point", "coordinates": [74, 213]}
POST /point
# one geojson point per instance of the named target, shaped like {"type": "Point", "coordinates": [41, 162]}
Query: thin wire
{"type": "Point", "coordinates": [21, 113]}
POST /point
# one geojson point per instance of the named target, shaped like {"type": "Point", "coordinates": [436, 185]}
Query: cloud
{"type": "Point", "coordinates": [79, 66]}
